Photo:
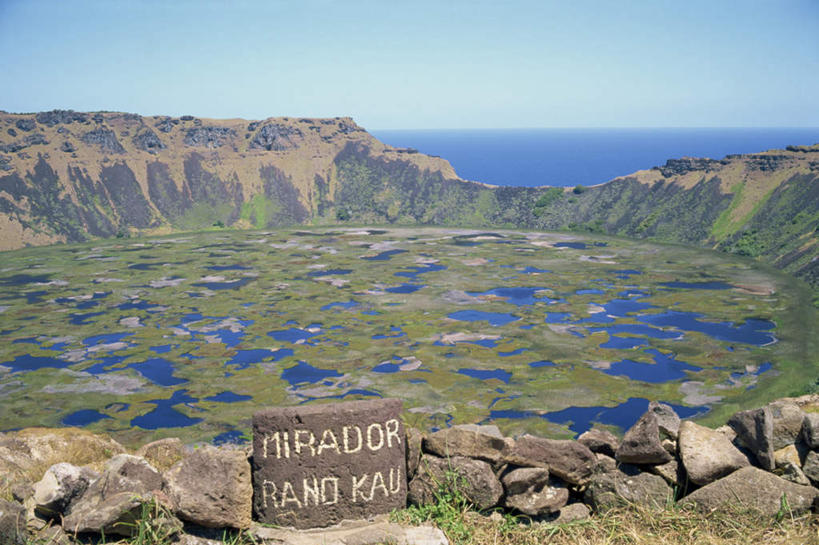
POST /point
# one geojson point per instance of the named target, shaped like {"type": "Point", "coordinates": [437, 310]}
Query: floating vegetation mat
{"type": "Point", "coordinates": [541, 332]}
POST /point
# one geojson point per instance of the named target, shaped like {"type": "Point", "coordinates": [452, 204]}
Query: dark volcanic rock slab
{"type": "Point", "coordinates": [315, 466]}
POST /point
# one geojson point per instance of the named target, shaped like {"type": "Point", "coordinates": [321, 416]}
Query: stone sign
{"type": "Point", "coordinates": [316, 465]}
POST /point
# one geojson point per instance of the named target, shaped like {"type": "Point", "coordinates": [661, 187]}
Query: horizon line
{"type": "Point", "coordinates": [607, 127]}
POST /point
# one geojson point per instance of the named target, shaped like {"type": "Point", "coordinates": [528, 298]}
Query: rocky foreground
{"type": "Point", "coordinates": [68, 485]}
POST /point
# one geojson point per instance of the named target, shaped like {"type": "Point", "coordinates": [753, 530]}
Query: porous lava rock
{"type": "Point", "coordinates": [626, 485]}
{"type": "Point", "coordinates": [569, 460]}
{"type": "Point", "coordinates": [319, 464]}
{"type": "Point", "coordinates": [473, 478]}
{"type": "Point", "coordinates": [212, 487]}
{"type": "Point", "coordinates": [481, 442]}
{"type": "Point", "coordinates": [600, 441]}
{"type": "Point", "coordinates": [531, 491]}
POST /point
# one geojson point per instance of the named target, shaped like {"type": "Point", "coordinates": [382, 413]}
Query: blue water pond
{"type": "Point", "coordinates": [486, 374]}
{"type": "Point", "coordinates": [385, 255]}
{"type": "Point", "coordinates": [697, 285]}
{"type": "Point", "coordinates": [27, 362]}
{"type": "Point", "coordinates": [495, 319]}
{"type": "Point", "coordinates": [303, 372]}
{"type": "Point", "coordinates": [228, 397]}
{"type": "Point", "coordinates": [512, 352]}
{"type": "Point", "coordinates": [245, 358]}
{"type": "Point", "coordinates": [753, 331]}
{"type": "Point", "coordinates": [328, 272]}
{"type": "Point", "coordinates": [83, 417]}
{"type": "Point", "coordinates": [664, 369]}
{"type": "Point", "coordinates": [164, 415]}
{"type": "Point", "coordinates": [233, 437]}
{"type": "Point", "coordinates": [405, 288]}
{"type": "Point", "coordinates": [417, 270]}
{"type": "Point", "coordinates": [294, 334]}
{"type": "Point", "coordinates": [580, 419]}
{"type": "Point", "coordinates": [159, 371]}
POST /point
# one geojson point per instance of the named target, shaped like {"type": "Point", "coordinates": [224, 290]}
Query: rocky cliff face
{"type": "Point", "coordinates": [66, 176]}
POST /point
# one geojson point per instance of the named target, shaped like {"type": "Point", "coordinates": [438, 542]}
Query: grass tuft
{"type": "Point", "coordinates": [627, 525]}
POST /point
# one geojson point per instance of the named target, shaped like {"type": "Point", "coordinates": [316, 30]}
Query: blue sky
{"type": "Point", "coordinates": [421, 64]}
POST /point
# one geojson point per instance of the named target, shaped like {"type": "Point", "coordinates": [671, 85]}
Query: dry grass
{"type": "Point", "coordinates": [634, 526]}
{"type": "Point", "coordinates": [77, 447]}
{"type": "Point", "coordinates": [627, 525]}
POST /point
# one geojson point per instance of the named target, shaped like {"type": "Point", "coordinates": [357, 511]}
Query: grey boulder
{"type": "Point", "coordinates": [787, 420]}
{"type": "Point", "coordinates": [211, 487]}
{"type": "Point", "coordinates": [540, 500]}
{"type": "Point", "coordinates": [754, 431]}
{"type": "Point", "coordinates": [473, 478]}
{"type": "Point", "coordinates": [810, 430]}
{"type": "Point", "coordinates": [673, 472]}
{"type": "Point", "coordinates": [571, 513]}
{"type": "Point", "coordinates": [61, 485]}
{"type": "Point", "coordinates": [667, 419]}
{"type": "Point", "coordinates": [481, 442]}
{"type": "Point", "coordinates": [116, 514]}
{"type": "Point", "coordinates": [811, 467]}
{"type": "Point", "coordinates": [12, 523]}
{"type": "Point", "coordinates": [521, 479]}
{"type": "Point", "coordinates": [531, 491]}
{"type": "Point", "coordinates": [642, 443]}
{"type": "Point", "coordinates": [753, 488]}
{"type": "Point", "coordinates": [569, 460]}
{"type": "Point", "coordinates": [707, 455]}
{"type": "Point", "coordinates": [627, 485]}
{"type": "Point", "coordinates": [600, 441]}
{"type": "Point", "coordinates": [114, 501]}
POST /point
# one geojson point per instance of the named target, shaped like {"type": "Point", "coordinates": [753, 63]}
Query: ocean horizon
{"type": "Point", "coordinates": [583, 156]}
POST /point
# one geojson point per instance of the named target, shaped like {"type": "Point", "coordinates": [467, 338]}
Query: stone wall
{"type": "Point", "coordinates": [66, 482]}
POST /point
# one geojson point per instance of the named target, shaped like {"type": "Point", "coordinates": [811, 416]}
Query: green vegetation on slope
{"type": "Point", "coordinates": [69, 176]}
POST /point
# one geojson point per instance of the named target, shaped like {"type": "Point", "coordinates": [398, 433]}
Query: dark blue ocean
{"type": "Point", "coordinates": [568, 157]}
